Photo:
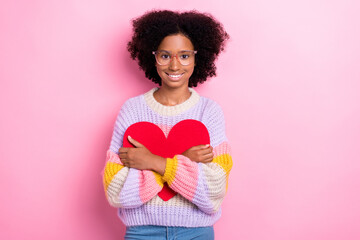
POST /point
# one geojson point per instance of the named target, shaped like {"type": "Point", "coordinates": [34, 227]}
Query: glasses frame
{"type": "Point", "coordinates": [172, 56]}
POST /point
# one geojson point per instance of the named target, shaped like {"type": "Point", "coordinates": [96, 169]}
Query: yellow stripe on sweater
{"type": "Point", "coordinates": [158, 179]}
{"type": "Point", "coordinates": [225, 162]}
{"type": "Point", "coordinates": [170, 170]}
{"type": "Point", "coordinates": [111, 169]}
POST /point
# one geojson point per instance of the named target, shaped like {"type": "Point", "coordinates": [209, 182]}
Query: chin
{"type": "Point", "coordinates": [175, 85]}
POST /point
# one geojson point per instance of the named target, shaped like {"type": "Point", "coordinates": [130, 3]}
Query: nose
{"type": "Point", "coordinates": [174, 63]}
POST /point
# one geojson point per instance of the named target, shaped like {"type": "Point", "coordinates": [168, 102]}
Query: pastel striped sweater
{"type": "Point", "coordinates": [200, 187]}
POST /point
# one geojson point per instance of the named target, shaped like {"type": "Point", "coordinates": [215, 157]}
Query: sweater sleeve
{"type": "Point", "coordinates": [205, 185]}
{"type": "Point", "coordinates": [127, 187]}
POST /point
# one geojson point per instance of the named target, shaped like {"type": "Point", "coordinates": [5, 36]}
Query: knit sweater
{"type": "Point", "coordinates": [200, 187]}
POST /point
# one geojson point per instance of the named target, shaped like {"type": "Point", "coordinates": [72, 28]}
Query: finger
{"type": "Point", "coordinates": [134, 142]}
{"type": "Point", "coordinates": [202, 146]}
{"type": "Point", "coordinates": [127, 163]}
{"type": "Point", "coordinates": [122, 155]}
{"type": "Point", "coordinates": [209, 155]}
{"type": "Point", "coordinates": [204, 151]}
{"type": "Point", "coordinates": [123, 161]}
{"type": "Point", "coordinates": [123, 150]}
{"type": "Point", "coordinates": [205, 146]}
{"type": "Point", "coordinates": [191, 149]}
{"type": "Point", "coordinates": [198, 147]}
{"type": "Point", "coordinates": [208, 158]}
{"type": "Point", "coordinates": [208, 150]}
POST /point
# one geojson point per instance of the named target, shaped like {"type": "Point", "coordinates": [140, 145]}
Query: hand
{"type": "Point", "coordinates": [200, 153]}
{"type": "Point", "coordinates": [141, 158]}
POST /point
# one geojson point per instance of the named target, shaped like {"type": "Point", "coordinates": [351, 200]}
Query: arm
{"type": "Point", "coordinates": [141, 158]}
{"type": "Point", "coordinates": [204, 184]}
{"type": "Point", "coordinates": [127, 187]}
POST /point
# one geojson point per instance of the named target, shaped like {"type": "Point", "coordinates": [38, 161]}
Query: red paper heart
{"type": "Point", "coordinates": [182, 136]}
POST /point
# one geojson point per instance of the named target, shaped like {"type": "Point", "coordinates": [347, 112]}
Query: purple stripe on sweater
{"type": "Point", "coordinates": [167, 216]}
{"type": "Point", "coordinates": [129, 196]}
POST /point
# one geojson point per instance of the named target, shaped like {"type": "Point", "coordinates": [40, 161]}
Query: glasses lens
{"type": "Point", "coordinates": [184, 57]}
{"type": "Point", "coordinates": [163, 57]}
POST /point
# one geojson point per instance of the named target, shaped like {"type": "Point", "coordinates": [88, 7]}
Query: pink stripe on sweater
{"type": "Point", "coordinates": [221, 149]}
{"type": "Point", "coordinates": [112, 157]}
{"type": "Point", "coordinates": [165, 128]}
{"type": "Point", "coordinates": [186, 176]}
{"type": "Point", "coordinates": [148, 187]}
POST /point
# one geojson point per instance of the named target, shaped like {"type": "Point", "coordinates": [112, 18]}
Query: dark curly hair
{"type": "Point", "coordinates": [206, 34]}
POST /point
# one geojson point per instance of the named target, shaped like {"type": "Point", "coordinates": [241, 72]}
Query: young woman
{"type": "Point", "coordinates": [170, 177]}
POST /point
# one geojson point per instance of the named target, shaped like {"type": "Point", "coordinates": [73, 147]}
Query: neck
{"type": "Point", "coordinates": [172, 96]}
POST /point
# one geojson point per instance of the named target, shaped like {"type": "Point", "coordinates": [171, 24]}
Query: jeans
{"type": "Point", "coordinates": [150, 232]}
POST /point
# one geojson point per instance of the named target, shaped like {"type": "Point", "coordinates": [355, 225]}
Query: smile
{"type": "Point", "coordinates": [175, 76]}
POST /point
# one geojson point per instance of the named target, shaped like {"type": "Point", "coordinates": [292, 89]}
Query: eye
{"type": "Point", "coordinates": [184, 56]}
{"type": "Point", "coordinates": [164, 55]}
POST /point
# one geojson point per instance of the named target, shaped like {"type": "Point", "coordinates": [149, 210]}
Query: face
{"type": "Point", "coordinates": [175, 75]}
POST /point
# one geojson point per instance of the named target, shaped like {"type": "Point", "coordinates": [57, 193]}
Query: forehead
{"type": "Point", "coordinates": [174, 43]}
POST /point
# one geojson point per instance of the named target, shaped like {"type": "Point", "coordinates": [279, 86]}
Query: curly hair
{"type": "Point", "coordinates": [205, 33]}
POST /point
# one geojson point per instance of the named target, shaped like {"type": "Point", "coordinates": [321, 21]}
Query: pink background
{"type": "Point", "coordinates": [289, 84]}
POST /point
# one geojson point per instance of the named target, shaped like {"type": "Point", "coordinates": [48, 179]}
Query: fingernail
{"type": "Point", "coordinates": [129, 137]}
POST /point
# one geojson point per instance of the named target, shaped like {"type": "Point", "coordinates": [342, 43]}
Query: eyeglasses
{"type": "Point", "coordinates": [185, 57]}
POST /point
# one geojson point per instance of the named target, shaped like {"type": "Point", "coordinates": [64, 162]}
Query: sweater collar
{"type": "Point", "coordinates": [171, 110]}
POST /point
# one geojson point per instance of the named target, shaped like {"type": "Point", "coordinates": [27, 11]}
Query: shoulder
{"type": "Point", "coordinates": [131, 110]}
{"type": "Point", "coordinates": [213, 119]}
{"type": "Point", "coordinates": [211, 107]}
{"type": "Point", "coordinates": [132, 103]}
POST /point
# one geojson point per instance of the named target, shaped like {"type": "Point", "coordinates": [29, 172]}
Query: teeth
{"type": "Point", "coordinates": [175, 76]}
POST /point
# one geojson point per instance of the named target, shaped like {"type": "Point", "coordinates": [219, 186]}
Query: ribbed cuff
{"type": "Point", "coordinates": [170, 170]}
